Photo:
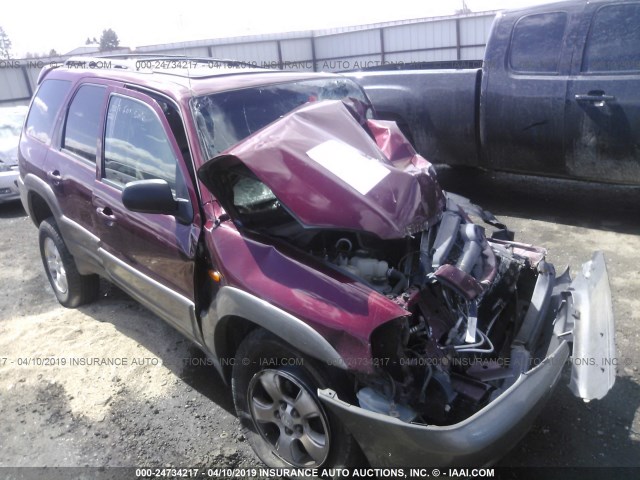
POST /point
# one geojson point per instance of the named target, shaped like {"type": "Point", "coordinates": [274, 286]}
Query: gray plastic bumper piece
{"type": "Point", "coordinates": [479, 440]}
{"type": "Point", "coordinates": [594, 351]}
{"type": "Point", "coordinates": [584, 318]}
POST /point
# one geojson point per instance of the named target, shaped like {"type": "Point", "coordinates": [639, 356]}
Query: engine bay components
{"type": "Point", "coordinates": [466, 296]}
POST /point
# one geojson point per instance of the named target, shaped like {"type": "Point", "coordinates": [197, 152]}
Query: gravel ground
{"type": "Point", "coordinates": [162, 406]}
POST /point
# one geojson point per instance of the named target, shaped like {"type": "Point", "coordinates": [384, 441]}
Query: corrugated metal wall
{"type": "Point", "coordinates": [421, 40]}
{"type": "Point", "coordinates": [16, 83]}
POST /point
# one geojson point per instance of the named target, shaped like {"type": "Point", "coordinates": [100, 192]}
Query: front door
{"type": "Point", "coordinates": [151, 256]}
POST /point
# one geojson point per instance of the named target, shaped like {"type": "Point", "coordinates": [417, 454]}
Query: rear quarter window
{"type": "Point", "coordinates": [613, 43]}
{"type": "Point", "coordinates": [537, 42]}
{"type": "Point", "coordinates": [45, 107]}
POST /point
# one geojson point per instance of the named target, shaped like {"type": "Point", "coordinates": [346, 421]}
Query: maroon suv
{"type": "Point", "coordinates": [359, 312]}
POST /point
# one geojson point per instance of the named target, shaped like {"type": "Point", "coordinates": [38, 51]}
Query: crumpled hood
{"type": "Point", "coordinates": [329, 171]}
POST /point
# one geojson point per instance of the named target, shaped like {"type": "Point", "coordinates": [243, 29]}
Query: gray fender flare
{"type": "Point", "coordinates": [34, 184]}
{"type": "Point", "coordinates": [233, 302]}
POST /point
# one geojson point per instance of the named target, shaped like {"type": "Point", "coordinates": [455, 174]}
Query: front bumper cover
{"type": "Point", "coordinates": [583, 316]}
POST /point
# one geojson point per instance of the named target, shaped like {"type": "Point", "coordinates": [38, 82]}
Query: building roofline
{"type": "Point", "coordinates": [302, 34]}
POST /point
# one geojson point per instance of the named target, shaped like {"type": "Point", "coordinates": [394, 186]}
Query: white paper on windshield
{"type": "Point", "coordinates": [349, 164]}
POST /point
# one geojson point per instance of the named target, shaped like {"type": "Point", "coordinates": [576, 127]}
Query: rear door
{"type": "Point", "coordinates": [151, 256]}
{"type": "Point", "coordinates": [603, 97]}
{"type": "Point", "coordinates": [71, 168]}
{"type": "Point", "coordinates": [524, 87]}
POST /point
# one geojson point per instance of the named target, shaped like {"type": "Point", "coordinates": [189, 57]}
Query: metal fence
{"type": "Point", "coordinates": [437, 40]}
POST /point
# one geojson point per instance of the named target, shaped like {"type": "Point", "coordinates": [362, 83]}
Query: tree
{"type": "Point", "coordinates": [464, 10]}
{"type": "Point", "coordinates": [108, 40]}
{"type": "Point", "coordinates": [53, 53]}
{"type": "Point", "coordinates": [5, 44]}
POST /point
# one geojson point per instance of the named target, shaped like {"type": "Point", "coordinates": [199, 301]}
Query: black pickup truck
{"type": "Point", "coordinates": [558, 94]}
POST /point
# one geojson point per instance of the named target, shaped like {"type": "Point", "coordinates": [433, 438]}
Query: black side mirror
{"type": "Point", "coordinates": [154, 196]}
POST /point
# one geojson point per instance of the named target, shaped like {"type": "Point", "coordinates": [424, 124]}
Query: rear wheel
{"type": "Point", "coordinates": [70, 287]}
{"type": "Point", "coordinates": [274, 391]}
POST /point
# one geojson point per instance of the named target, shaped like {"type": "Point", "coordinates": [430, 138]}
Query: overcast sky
{"type": "Point", "coordinates": [37, 26]}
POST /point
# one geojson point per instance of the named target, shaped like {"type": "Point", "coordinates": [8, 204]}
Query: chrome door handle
{"type": "Point", "coordinates": [599, 100]}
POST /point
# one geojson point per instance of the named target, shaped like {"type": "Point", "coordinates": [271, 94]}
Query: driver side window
{"type": "Point", "coordinates": [136, 146]}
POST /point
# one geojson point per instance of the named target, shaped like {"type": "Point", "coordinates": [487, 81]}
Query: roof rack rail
{"type": "Point", "coordinates": [131, 61]}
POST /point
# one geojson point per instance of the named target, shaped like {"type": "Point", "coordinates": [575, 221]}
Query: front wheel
{"type": "Point", "coordinates": [274, 391]}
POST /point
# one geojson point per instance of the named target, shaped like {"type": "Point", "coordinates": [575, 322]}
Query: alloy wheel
{"type": "Point", "coordinates": [289, 418]}
{"type": "Point", "coordinates": [55, 266]}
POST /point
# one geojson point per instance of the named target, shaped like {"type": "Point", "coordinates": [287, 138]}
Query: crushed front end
{"type": "Point", "coordinates": [459, 380]}
{"type": "Point", "coordinates": [482, 325]}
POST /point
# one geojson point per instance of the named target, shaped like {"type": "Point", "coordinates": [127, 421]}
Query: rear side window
{"type": "Point", "coordinates": [81, 131]}
{"type": "Point", "coordinates": [45, 107]}
{"type": "Point", "coordinates": [136, 146]}
{"type": "Point", "coordinates": [613, 44]}
{"type": "Point", "coordinates": [537, 42]}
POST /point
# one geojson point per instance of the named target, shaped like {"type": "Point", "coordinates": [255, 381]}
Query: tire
{"type": "Point", "coordinates": [279, 411]}
{"type": "Point", "coordinates": [70, 287]}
